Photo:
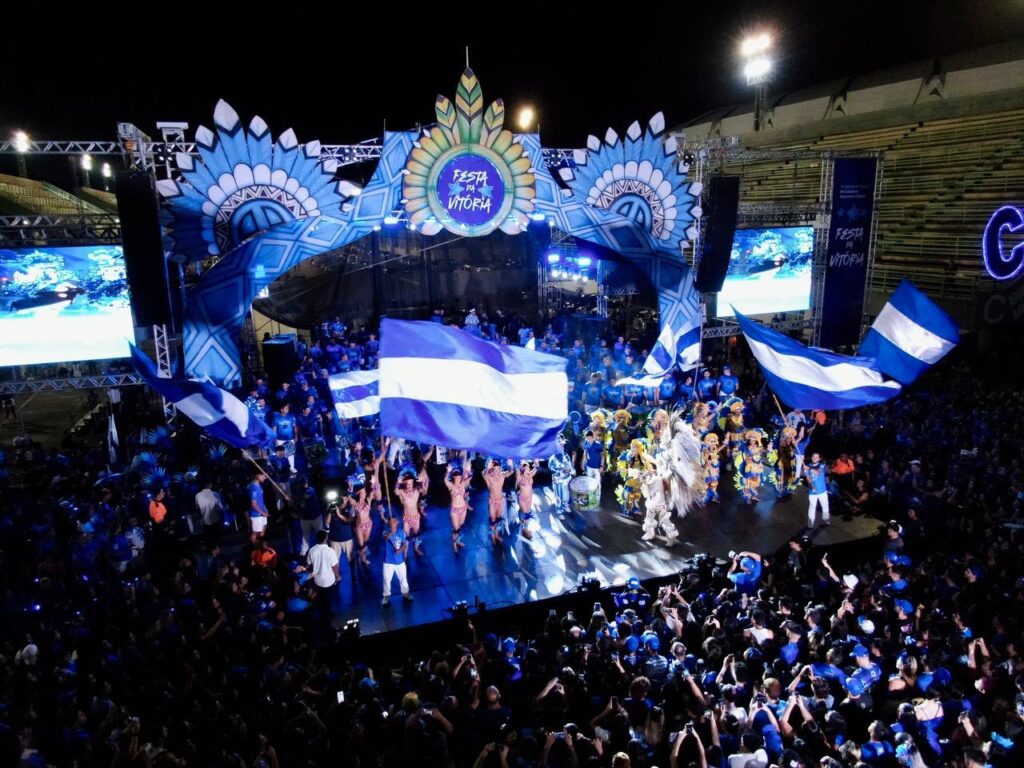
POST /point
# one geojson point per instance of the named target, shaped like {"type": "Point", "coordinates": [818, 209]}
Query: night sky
{"type": "Point", "coordinates": [336, 77]}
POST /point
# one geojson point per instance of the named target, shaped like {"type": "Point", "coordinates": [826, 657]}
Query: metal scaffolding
{"type": "Point", "coordinates": [35, 229]}
{"type": "Point", "coordinates": [28, 386]}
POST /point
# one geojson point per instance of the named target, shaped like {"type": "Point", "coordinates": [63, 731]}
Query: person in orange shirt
{"type": "Point", "coordinates": [157, 508]}
{"type": "Point", "coordinates": [264, 556]}
{"type": "Point", "coordinates": [842, 471]}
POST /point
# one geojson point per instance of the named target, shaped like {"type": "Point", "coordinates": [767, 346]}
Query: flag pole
{"type": "Point", "coordinates": [779, 406]}
{"type": "Point", "coordinates": [387, 483]}
{"type": "Point", "coordinates": [277, 487]}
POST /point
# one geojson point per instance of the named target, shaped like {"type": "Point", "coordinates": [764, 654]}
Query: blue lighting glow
{"type": "Point", "coordinates": [553, 258]}
{"type": "Point", "coordinates": [584, 261]}
{"type": "Point", "coordinates": [1001, 265]}
{"type": "Point", "coordinates": [537, 216]}
{"type": "Point", "coordinates": [390, 220]}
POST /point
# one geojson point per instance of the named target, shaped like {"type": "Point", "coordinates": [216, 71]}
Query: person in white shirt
{"type": "Point", "coordinates": [211, 510]}
{"type": "Point", "coordinates": [323, 566]}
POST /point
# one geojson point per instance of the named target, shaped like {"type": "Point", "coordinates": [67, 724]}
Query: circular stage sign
{"type": "Point", "coordinates": [469, 190]}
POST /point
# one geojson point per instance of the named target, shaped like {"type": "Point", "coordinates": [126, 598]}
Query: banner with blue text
{"type": "Point", "coordinates": [846, 256]}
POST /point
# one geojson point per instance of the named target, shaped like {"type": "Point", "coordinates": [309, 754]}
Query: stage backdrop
{"type": "Point", "coordinates": [265, 206]}
{"type": "Point", "coordinates": [849, 240]}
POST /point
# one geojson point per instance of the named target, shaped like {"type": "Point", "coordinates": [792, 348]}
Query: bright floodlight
{"type": "Point", "coordinates": [526, 118]}
{"type": "Point", "coordinates": [86, 162]}
{"type": "Point", "coordinates": [20, 141]}
{"type": "Point", "coordinates": [757, 69]}
{"type": "Point", "coordinates": [756, 44]}
{"type": "Point", "coordinates": [107, 172]}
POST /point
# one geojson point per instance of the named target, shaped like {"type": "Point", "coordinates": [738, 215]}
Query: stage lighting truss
{"type": "Point", "coordinates": [34, 229]}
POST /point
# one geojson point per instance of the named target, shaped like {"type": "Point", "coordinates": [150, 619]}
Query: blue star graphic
{"type": "Point", "coordinates": [455, 189]}
{"type": "Point", "coordinates": [486, 190]}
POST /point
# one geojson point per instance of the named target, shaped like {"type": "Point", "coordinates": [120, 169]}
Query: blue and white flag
{"type": "Point", "coordinates": [815, 378]}
{"type": "Point", "coordinates": [675, 346]}
{"type": "Point", "coordinates": [355, 393]}
{"type": "Point", "coordinates": [221, 415]}
{"type": "Point", "coordinates": [910, 335]}
{"type": "Point", "coordinates": [442, 386]}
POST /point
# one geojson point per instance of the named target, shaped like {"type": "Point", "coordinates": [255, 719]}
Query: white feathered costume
{"type": "Point", "coordinates": [679, 461]}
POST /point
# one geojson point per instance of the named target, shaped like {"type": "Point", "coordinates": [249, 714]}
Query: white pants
{"type": "Point", "coordinates": [659, 516]}
{"type": "Point", "coordinates": [343, 546]}
{"type": "Point", "coordinates": [813, 500]}
{"type": "Point", "coordinates": [309, 531]}
{"type": "Point", "coordinates": [799, 468]}
{"type": "Point", "coordinates": [562, 494]}
{"type": "Point", "coordinates": [391, 570]}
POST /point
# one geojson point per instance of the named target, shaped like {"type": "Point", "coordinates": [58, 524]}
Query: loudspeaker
{"type": "Point", "coordinates": [280, 358]}
{"type": "Point", "coordinates": [144, 260]}
{"type": "Point", "coordinates": [721, 204]}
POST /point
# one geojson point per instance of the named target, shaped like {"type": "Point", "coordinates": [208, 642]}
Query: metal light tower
{"type": "Point", "coordinates": [757, 68]}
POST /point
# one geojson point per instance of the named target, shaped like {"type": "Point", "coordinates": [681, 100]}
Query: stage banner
{"type": "Point", "coordinates": [849, 238]}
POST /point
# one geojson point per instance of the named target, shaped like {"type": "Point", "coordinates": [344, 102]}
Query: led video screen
{"type": "Point", "coordinates": [63, 305]}
{"type": "Point", "coordinates": [769, 271]}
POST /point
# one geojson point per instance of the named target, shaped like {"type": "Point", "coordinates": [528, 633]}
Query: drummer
{"type": "Point", "coordinates": [560, 466]}
{"type": "Point", "coordinates": [592, 457]}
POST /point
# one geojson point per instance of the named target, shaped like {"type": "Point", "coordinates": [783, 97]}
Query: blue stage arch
{"type": "Point", "coordinates": [628, 194]}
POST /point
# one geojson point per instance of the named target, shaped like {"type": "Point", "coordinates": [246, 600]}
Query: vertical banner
{"type": "Point", "coordinates": [846, 256]}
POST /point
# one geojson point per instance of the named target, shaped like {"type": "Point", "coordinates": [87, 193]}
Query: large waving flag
{"type": "Point", "coordinates": [220, 414]}
{"type": "Point", "coordinates": [815, 378]}
{"type": "Point", "coordinates": [910, 335]}
{"type": "Point", "coordinates": [675, 346]}
{"type": "Point", "coordinates": [355, 393]}
{"type": "Point", "coordinates": [443, 386]}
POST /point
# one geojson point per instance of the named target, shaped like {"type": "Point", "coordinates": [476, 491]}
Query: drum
{"type": "Point", "coordinates": [584, 493]}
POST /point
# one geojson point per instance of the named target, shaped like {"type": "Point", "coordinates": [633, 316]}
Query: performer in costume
{"type": "Point", "coordinates": [362, 524]}
{"type": "Point", "coordinates": [621, 433]}
{"type": "Point", "coordinates": [524, 485]}
{"type": "Point", "coordinates": [752, 465]}
{"type": "Point", "coordinates": [656, 428]}
{"type": "Point", "coordinates": [679, 460]}
{"type": "Point", "coordinates": [631, 465]}
{"type": "Point", "coordinates": [560, 466]}
{"type": "Point", "coordinates": [458, 488]}
{"type": "Point", "coordinates": [711, 454]}
{"type": "Point", "coordinates": [656, 513]}
{"type": "Point", "coordinates": [703, 415]}
{"type": "Point", "coordinates": [785, 468]}
{"type": "Point", "coordinates": [732, 425]}
{"type": "Point", "coordinates": [408, 491]}
{"type": "Point", "coordinates": [494, 478]}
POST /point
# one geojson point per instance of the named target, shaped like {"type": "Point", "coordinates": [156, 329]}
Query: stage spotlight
{"type": "Point", "coordinates": [350, 630]}
{"type": "Point", "coordinates": [390, 220]}
{"type": "Point", "coordinates": [526, 118]}
{"type": "Point", "coordinates": [20, 141]}
{"type": "Point", "coordinates": [757, 69]}
{"type": "Point", "coordinates": [537, 216]}
{"type": "Point", "coordinates": [755, 44]}
{"type": "Point", "coordinates": [584, 261]}
{"type": "Point", "coordinates": [553, 258]}
{"type": "Point", "coordinates": [86, 162]}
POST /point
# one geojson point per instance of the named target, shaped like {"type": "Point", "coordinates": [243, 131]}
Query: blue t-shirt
{"type": "Point", "coordinates": [613, 395]}
{"type": "Point", "coordinates": [706, 387]}
{"type": "Point", "coordinates": [592, 394]}
{"type": "Point", "coordinates": [594, 452]}
{"type": "Point", "coordinates": [393, 546]}
{"type": "Point", "coordinates": [747, 581]}
{"type": "Point", "coordinates": [868, 676]}
{"type": "Point", "coordinates": [256, 494]}
{"type": "Point", "coordinates": [667, 389]}
{"type": "Point", "coordinates": [339, 530]}
{"type": "Point", "coordinates": [816, 474]}
{"type": "Point", "coordinates": [727, 385]}
{"type": "Point", "coordinates": [634, 393]}
{"type": "Point", "coordinates": [284, 426]}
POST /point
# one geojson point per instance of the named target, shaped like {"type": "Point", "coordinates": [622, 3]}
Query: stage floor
{"type": "Point", "coordinates": [606, 546]}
